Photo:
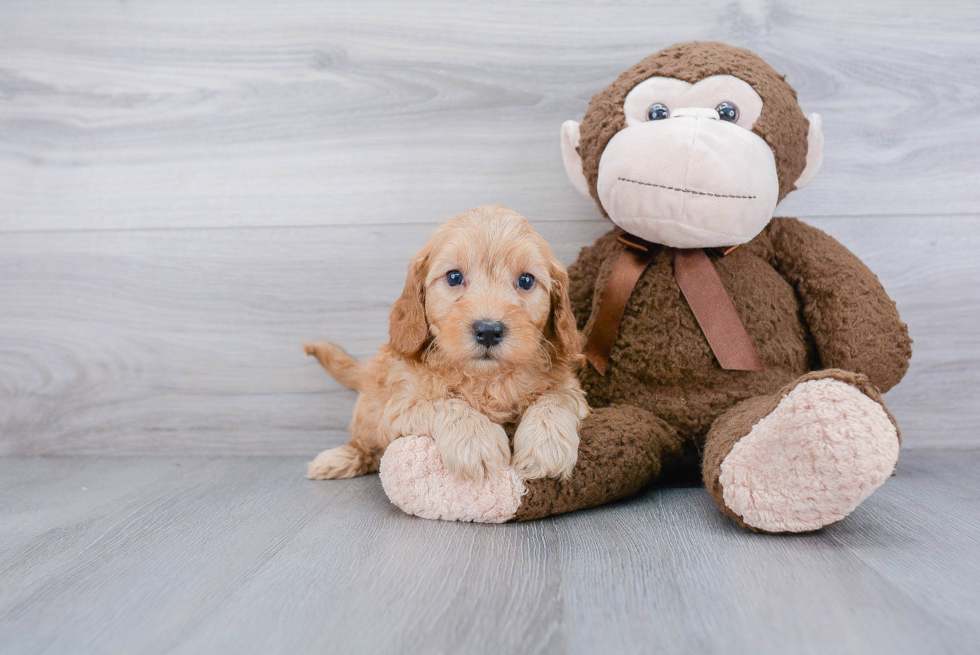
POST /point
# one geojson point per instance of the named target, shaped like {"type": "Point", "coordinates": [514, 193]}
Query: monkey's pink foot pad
{"type": "Point", "coordinates": [824, 449]}
{"type": "Point", "coordinates": [417, 482]}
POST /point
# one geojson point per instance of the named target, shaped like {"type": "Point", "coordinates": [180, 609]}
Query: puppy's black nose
{"type": "Point", "coordinates": [488, 333]}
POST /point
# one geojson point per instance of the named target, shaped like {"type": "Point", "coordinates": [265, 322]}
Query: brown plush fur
{"type": "Point", "coordinates": [845, 321]}
{"type": "Point", "coordinates": [433, 378]}
{"type": "Point", "coordinates": [807, 303]}
{"type": "Point", "coordinates": [622, 449]}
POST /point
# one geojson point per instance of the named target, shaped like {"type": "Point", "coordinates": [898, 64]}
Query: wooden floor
{"type": "Point", "coordinates": [243, 555]}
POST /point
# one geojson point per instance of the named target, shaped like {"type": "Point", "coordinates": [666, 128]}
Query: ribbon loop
{"type": "Point", "coordinates": [715, 312]}
{"type": "Point", "coordinates": [702, 288]}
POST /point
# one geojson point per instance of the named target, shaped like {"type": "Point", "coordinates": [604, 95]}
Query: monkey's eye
{"type": "Point", "coordinates": [727, 112]}
{"type": "Point", "coordinates": [658, 112]}
{"type": "Point", "coordinates": [526, 281]}
{"type": "Point", "coordinates": [454, 278]}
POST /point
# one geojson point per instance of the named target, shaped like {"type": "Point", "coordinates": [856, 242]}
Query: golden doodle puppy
{"type": "Point", "coordinates": [481, 338]}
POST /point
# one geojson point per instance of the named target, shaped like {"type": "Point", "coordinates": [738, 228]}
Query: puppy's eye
{"type": "Point", "coordinates": [454, 278]}
{"type": "Point", "coordinates": [727, 112]}
{"type": "Point", "coordinates": [526, 281]}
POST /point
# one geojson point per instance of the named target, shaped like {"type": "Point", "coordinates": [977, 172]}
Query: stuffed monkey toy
{"type": "Point", "coordinates": [723, 343]}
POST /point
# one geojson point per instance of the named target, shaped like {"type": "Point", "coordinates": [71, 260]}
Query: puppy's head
{"type": "Point", "coordinates": [486, 292]}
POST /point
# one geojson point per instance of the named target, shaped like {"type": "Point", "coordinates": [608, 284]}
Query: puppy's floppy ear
{"type": "Point", "coordinates": [407, 327]}
{"type": "Point", "coordinates": [566, 337]}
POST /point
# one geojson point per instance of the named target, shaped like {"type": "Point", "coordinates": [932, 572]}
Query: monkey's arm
{"type": "Point", "coordinates": [854, 323]}
{"type": "Point", "coordinates": [584, 271]}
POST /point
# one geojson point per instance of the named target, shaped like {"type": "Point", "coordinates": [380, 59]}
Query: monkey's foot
{"type": "Point", "coordinates": [809, 462]}
{"type": "Point", "coordinates": [417, 482]}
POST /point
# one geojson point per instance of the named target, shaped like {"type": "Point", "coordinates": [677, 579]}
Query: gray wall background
{"type": "Point", "coordinates": [188, 191]}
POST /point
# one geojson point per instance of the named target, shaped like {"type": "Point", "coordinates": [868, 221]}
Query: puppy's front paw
{"type": "Point", "coordinates": [546, 448]}
{"type": "Point", "coordinates": [475, 456]}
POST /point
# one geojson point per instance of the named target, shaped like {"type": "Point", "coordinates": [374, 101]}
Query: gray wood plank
{"type": "Point", "coordinates": [244, 555]}
{"type": "Point", "coordinates": [683, 578]}
{"type": "Point", "coordinates": [125, 342]}
{"type": "Point", "coordinates": [50, 521]}
{"type": "Point", "coordinates": [228, 114]}
{"type": "Point", "coordinates": [49, 492]}
{"type": "Point", "coordinates": [164, 556]}
{"type": "Point", "coordinates": [935, 522]}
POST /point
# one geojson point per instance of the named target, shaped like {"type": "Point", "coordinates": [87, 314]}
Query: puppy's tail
{"type": "Point", "coordinates": [344, 368]}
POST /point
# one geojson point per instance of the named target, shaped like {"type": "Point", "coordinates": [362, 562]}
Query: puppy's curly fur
{"type": "Point", "coordinates": [435, 378]}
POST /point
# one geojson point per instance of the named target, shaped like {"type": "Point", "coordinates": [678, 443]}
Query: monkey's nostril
{"type": "Point", "coordinates": [488, 333]}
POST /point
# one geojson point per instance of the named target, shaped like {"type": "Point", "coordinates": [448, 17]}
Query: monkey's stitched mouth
{"type": "Point", "coordinates": [692, 191]}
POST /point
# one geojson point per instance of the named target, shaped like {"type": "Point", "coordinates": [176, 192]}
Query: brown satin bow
{"type": "Point", "coordinates": [702, 288]}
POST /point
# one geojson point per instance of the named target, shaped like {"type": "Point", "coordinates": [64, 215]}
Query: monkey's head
{"type": "Point", "coordinates": [693, 146]}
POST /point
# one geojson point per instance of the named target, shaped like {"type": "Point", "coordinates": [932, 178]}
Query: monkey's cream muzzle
{"type": "Point", "coordinates": [689, 181]}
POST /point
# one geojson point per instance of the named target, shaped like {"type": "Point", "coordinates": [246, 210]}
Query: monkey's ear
{"type": "Point", "coordinates": [814, 151]}
{"type": "Point", "coordinates": [573, 160]}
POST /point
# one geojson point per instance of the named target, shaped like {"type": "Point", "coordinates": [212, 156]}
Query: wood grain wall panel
{"type": "Point", "coordinates": [189, 190]}
{"type": "Point", "coordinates": [131, 341]}
{"type": "Point", "coordinates": [246, 113]}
